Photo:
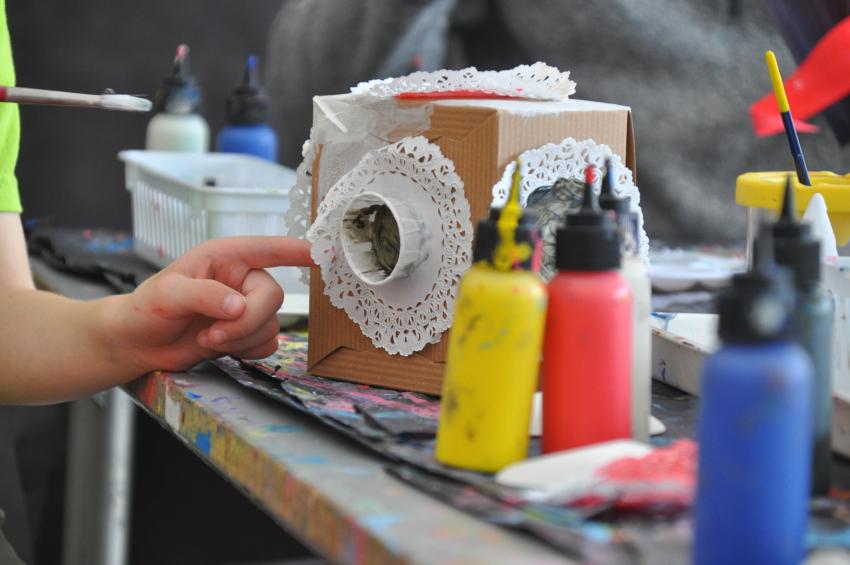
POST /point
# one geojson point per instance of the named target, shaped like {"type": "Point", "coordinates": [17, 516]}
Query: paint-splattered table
{"type": "Point", "coordinates": [330, 494]}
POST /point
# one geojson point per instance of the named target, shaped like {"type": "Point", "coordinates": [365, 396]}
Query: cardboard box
{"type": "Point", "coordinates": [481, 137]}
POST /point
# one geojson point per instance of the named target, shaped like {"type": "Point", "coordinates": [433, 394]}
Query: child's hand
{"type": "Point", "coordinates": [214, 300]}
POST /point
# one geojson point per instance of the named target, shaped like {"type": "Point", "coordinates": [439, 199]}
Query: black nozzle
{"type": "Point", "coordinates": [589, 213]}
{"type": "Point", "coordinates": [487, 237]}
{"type": "Point", "coordinates": [248, 105]}
{"type": "Point", "coordinates": [180, 68]}
{"type": "Point", "coordinates": [621, 207]}
{"type": "Point", "coordinates": [589, 240]}
{"type": "Point", "coordinates": [764, 263]}
{"type": "Point", "coordinates": [789, 208]}
{"type": "Point", "coordinates": [758, 306]}
{"type": "Point", "coordinates": [589, 201]}
{"type": "Point", "coordinates": [794, 245]}
{"type": "Point", "coordinates": [250, 80]}
{"type": "Point", "coordinates": [178, 92]}
{"type": "Point", "coordinates": [607, 199]}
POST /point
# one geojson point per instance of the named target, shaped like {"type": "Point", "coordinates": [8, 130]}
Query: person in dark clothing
{"type": "Point", "coordinates": [689, 70]}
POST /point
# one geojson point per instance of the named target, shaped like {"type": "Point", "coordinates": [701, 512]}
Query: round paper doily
{"type": "Point", "coordinates": [297, 218]}
{"type": "Point", "coordinates": [400, 316]}
{"type": "Point", "coordinates": [569, 159]}
{"type": "Point", "coordinates": [337, 159]}
{"type": "Point", "coordinates": [538, 82]}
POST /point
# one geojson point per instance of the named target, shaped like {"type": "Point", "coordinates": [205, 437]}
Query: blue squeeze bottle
{"type": "Point", "coordinates": [797, 249]}
{"type": "Point", "coordinates": [247, 130]}
{"type": "Point", "coordinates": [755, 424]}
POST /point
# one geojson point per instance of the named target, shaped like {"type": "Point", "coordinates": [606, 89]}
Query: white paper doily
{"type": "Point", "coordinates": [400, 316]}
{"type": "Point", "coordinates": [297, 218]}
{"type": "Point", "coordinates": [538, 81]}
{"type": "Point", "coordinates": [569, 159]}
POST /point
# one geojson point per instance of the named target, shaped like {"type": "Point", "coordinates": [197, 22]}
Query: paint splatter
{"type": "Point", "coordinates": [283, 428]}
{"type": "Point", "coordinates": [172, 412]}
{"type": "Point", "coordinates": [379, 522]}
{"type": "Point", "coordinates": [310, 460]}
{"type": "Point", "coordinates": [665, 477]}
{"type": "Point", "coordinates": [203, 442]}
{"type": "Point", "coordinates": [593, 533]}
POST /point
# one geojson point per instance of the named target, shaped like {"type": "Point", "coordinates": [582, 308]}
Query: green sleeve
{"type": "Point", "coordinates": [10, 125]}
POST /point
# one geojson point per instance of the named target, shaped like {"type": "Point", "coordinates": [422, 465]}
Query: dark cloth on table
{"type": "Point", "coordinates": [93, 253]}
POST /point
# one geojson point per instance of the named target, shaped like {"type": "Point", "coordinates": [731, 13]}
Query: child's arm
{"type": "Point", "coordinates": [214, 300]}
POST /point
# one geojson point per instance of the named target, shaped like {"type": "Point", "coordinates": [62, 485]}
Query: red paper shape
{"type": "Point", "coordinates": [819, 82]}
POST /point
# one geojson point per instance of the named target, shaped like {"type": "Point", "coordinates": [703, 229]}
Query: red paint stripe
{"type": "Point", "coordinates": [445, 94]}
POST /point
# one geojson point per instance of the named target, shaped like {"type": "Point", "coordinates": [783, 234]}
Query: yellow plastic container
{"type": "Point", "coordinates": [491, 370]}
{"type": "Point", "coordinates": [762, 193]}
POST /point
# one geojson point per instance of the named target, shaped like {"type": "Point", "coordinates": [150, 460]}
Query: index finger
{"type": "Point", "coordinates": [262, 252]}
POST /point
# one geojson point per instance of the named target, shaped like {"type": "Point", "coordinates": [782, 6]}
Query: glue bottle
{"type": "Point", "coordinates": [494, 353]}
{"type": "Point", "coordinates": [754, 428]}
{"type": "Point", "coordinates": [248, 130]}
{"type": "Point", "coordinates": [588, 343]}
{"type": "Point", "coordinates": [796, 248]}
{"type": "Point", "coordinates": [177, 126]}
{"type": "Point", "coordinates": [637, 276]}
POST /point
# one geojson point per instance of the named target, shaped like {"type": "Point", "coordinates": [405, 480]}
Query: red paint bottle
{"type": "Point", "coordinates": [587, 345]}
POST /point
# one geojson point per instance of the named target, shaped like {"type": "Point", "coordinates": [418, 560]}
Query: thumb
{"type": "Point", "coordinates": [176, 296]}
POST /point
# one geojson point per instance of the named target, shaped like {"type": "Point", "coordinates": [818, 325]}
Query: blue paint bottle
{"type": "Point", "coordinates": [248, 130]}
{"type": "Point", "coordinates": [797, 249]}
{"type": "Point", "coordinates": [754, 429]}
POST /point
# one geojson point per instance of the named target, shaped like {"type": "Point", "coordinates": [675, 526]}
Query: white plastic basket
{"type": "Point", "coordinates": [181, 200]}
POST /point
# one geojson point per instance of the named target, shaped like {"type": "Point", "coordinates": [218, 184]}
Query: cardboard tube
{"type": "Point", "coordinates": [383, 238]}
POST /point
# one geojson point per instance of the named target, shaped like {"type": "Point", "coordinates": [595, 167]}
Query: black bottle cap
{"type": "Point", "coordinates": [758, 306]}
{"type": "Point", "coordinates": [248, 104]}
{"type": "Point", "coordinates": [487, 236]}
{"type": "Point", "coordinates": [528, 232]}
{"type": "Point", "coordinates": [794, 245]}
{"type": "Point", "coordinates": [178, 93]}
{"type": "Point", "coordinates": [589, 240]}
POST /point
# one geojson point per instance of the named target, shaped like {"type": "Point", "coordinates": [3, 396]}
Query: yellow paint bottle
{"type": "Point", "coordinates": [494, 355]}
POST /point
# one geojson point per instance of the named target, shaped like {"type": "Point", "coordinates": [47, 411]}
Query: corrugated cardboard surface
{"type": "Point", "coordinates": [481, 140]}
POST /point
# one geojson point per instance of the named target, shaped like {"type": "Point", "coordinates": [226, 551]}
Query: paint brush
{"type": "Point", "coordinates": [121, 102]}
{"type": "Point", "coordinates": [787, 121]}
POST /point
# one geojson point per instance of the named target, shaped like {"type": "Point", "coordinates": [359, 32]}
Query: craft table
{"type": "Point", "coordinates": [332, 495]}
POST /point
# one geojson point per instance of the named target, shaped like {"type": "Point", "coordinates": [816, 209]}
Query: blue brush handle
{"type": "Point", "coordinates": [796, 150]}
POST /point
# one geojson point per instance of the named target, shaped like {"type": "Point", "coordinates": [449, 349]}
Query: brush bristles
{"type": "Point", "coordinates": [125, 102]}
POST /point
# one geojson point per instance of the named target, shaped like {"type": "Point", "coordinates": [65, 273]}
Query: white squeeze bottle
{"type": "Point", "coordinates": [177, 126]}
{"type": "Point", "coordinates": [636, 273]}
